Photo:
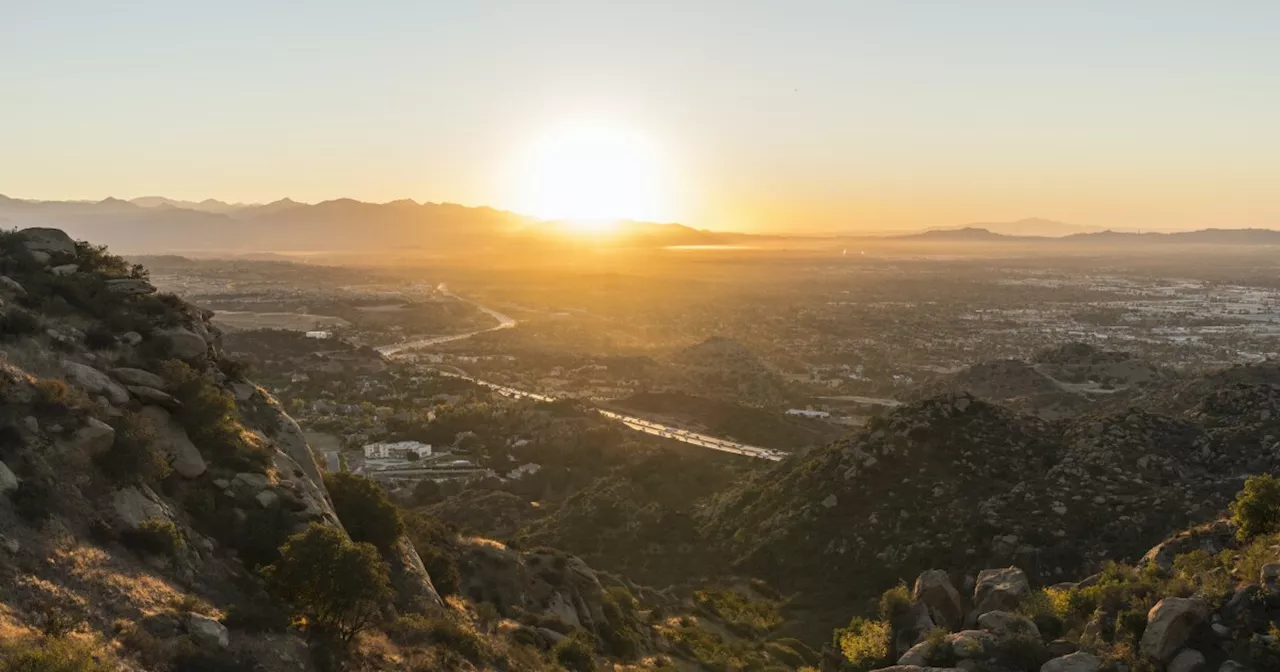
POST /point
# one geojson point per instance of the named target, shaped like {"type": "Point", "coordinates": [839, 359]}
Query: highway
{"type": "Point", "coordinates": [638, 424]}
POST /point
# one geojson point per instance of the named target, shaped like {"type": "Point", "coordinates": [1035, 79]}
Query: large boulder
{"type": "Point", "coordinates": [150, 395]}
{"type": "Point", "coordinates": [95, 382]}
{"type": "Point", "coordinates": [207, 632]}
{"type": "Point", "coordinates": [1005, 624]}
{"type": "Point", "coordinates": [1000, 590]}
{"type": "Point", "coordinates": [50, 241]}
{"type": "Point", "coordinates": [12, 286]}
{"type": "Point", "coordinates": [8, 480]}
{"type": "Point", "coordinates": [134, 504]}
{"type": "Point", "coordinates": [172, 438]}
{"type": "Point", "coordinates": [933, 588]}
{"type": "Point", "coordinates": [130, 376]}
{"type": "Point", "coordinates": [1169, 624]}
{"type": "Point", "coordinates": [182, 343]}
{"type": "Point", "coordinates": [1075, 662]}
{"type": "Point", "coordinates": [414, 591]}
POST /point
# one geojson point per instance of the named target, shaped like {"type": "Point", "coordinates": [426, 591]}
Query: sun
{"type": "Point", "coordinates": [592, 175]}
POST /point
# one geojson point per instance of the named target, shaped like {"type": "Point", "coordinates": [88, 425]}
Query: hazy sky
{"type": "Point", "coordinates": [762, 115]}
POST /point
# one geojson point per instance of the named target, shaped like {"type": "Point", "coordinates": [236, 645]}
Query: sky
{"type": "Point", "coordinates": [796, 115]}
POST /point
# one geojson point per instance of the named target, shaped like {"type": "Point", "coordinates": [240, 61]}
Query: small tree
{"type": "Point", "coordinates": [1256, 510]}
{"type": "Point", "coordinates": [364, 509]}
{"type": "Point", "coordinates": [334, 586]}
{"type": "Point", "coordinates": [866, 644]}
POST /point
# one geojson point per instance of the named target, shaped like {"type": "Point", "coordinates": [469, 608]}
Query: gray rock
{"type": "Point", "coordinates": [1004, 624]}
{"type": "Point", "coordinates": [173, 439]}
{"type": "Point", "coordinates": [131, 338]}
{"type": "Point", "coordinates": [130, 376]}
{"type": "Point", "coordinates": [1187, 660]}
{"type": "Point", "coordinates": [52, 241]}
{"type": "Point", "coordinates": [11, 545]}
{"type": "Point", "coordinates": [130, 286]}
{"type": "Point", "coordinates": [1000, 589]}
{"type": "Point", "coordinates": [1233, 666]}
{"type": "Point", "coordinates": [1074, 662]}
{"type": "Point", "coordinates": [65, 269]}
{"type": "Point", "coordinates": [12, 286]}
{"type": "Point", "coordinates": [1169, 624]}
{"type": "Point", "coordinates": [267, 498]}
{"type": "Point", "coordinates": [971, 643]}
{"type": "Point", "coordinates": [135, 504]}
{"type": "Point", "coordinates": [95, 382]}
{"type": "Point", "coordinates": [207, 632]}
{"type": "Point", "coordinates": [1061, 647]}
{"type": "Point", "coordinates": [918, 654]}
{"type": "Point", "coordinates": [933, 587]}
{"type": "Point", "coordinates": [40, 256]}
{"type": "Point", "coordinates": [182, 343]}
{"type": "Point", "coordinates": [150, 395]}
{"type": "Point", "coordinates": [250, 481]}
{"type": "Point", "coordinates": [8, 480]}
{"type": "Point", "coordinates": [95, 437]}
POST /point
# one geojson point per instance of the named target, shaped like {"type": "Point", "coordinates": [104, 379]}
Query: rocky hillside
{"type": "Point", "coordinates": [159, 511]}
{"type": "Point", "coordinates": [955, 481]}
{"type": "Point", "coordinates": [1057, 383]}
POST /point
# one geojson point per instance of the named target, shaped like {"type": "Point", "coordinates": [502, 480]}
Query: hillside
{"type": "Point", "coordinates": [1057, 383]}
{"type": "Point", "coordinates": [160, 512]}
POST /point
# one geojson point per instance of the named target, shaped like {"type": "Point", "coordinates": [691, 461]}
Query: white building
{"type": "Point", "coordinates": [319, 334]}
{"type": "Point", "coordinates": [397, 449]}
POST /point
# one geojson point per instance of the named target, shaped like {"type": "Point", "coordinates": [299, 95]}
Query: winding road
{"type": "Point", "coordinates": [637, 424]}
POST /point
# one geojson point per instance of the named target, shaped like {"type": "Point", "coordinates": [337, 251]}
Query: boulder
{"type": "Point", "coordinates": [1074, 662]}
{"type": "Point", "coordinates": [918, 654]}
{"type": "Point", "coordinates": [50, 241]}
{"type": "Point", "coordinates": [8, 480]}
{"type": "Point", "coordinates": [131, 338]}
{"type": "Point", "coordinates": [971, 644]}
{"type": "Point", "coordinates": [130, 286]}
{"type": "Point", "coordinates": [267, 498]}
{"type": "Point", "coordinates": [1187, 660]}
{"type": "Point", "coordinates": [1169, 624]}
{"type": "Point", "coordinates": [40, 256]}
{"type": "Point", "coordinates": [173, 439]}
{"type": "Point", "coordinates": [130, 376]}
{"type": "Point", "coordinates": [911, 626]}
{"type": "Point", "coordinates": [65, 269]}
{"type": "Point", "coordinates": [207, 632]}
{"type": "Point", "coordinates": [182, 343]}
{"type": "Point", "coordinates": [96, 436]}
{"type": "Point", "coordinates": [934, 589]}
{"type": "Point", "coordinates": [1000, 589]}
{"type": "Point", "coordinates": [150, 395]}
{"type": "Point", "coordinates": [12, 286]}
{"type": "Point", "coordinates": [1233, 666]}
{"type": "Point", "coordinates": [1004, 624]}
{"type": "Point", "coordinates": [135, 504]}
{"type": "Point", "coordinates": [95, 382]}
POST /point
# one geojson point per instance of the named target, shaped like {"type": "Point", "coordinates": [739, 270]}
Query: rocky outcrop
{"type": "Point", "coordinates": [135, 504]}
{"type": "Point", "coordinates": [413, 588]}
{"type": "Point", "coordinates": [933, 588]}
{"type": "Point", "coordinates": [8, 480]}
{"type": "Point", "coordinates": [48, 241]}
{"type": "Point", "coordinates": [95, 382]}
{"type": "Point", "coordinates": [999, 589]}
{"type": "Point", "coordinates": [1073, 662]}
{"type": "Point", "coordinates": [132, 376]}
{"type": "Point", "coordinates": [539, 582]}
{"type": "Point", "coordinates": [182, 343]}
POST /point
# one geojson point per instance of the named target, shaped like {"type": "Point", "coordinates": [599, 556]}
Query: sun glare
{"type": "Point", "coordinates": [592, 175]}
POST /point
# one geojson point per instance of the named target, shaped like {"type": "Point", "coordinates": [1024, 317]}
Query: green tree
{"type": "Point", "coordinates": [335, 586]}
{"type": "Point", "coordinates": [1256, 510]}
{"type": "Point", "coordinates": [364, 509]}
{"type": "Point", "coordinates": [866, 643]}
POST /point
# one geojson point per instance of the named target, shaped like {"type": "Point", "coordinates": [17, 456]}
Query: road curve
{"type": "Point", "coordinates": [637, 424]}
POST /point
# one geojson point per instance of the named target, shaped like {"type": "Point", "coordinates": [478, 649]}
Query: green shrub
{"type": "Point", "coordinates": [337, 587]}
{"type": "Point", "coordinates": [54, 654]}
{"type": "Point", "coordinates": [894, 603]}
{"type": "Point", "coordinates": [1256, 510]}
{"type": "Point", "coordinates": [1021, 652]}
{"type": "Point", "coordinates": [133, 456]}
{"type": "Point", "coordinates": [575, 653]}
{"type": "Point", "coordinates": [364, 509]}
{"type": "Point", "coordinates": [866, 644]}
{"type": "Point", "coordinates": [739, 610]}
{"type": "Point", "coordinates": [446, 632]}
{"type": "Point", "coordinates": [208, 415]}
{"type": "Point", "coordinates": [155, 536]}
{"type": "Point", "coordinates": [443, 569]}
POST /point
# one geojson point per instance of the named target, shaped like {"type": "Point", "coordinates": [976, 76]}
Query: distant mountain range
{"type": "Point", "coordinates": [1109, 238]}
{"type": "Point", "coordinates": [155, 224]}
